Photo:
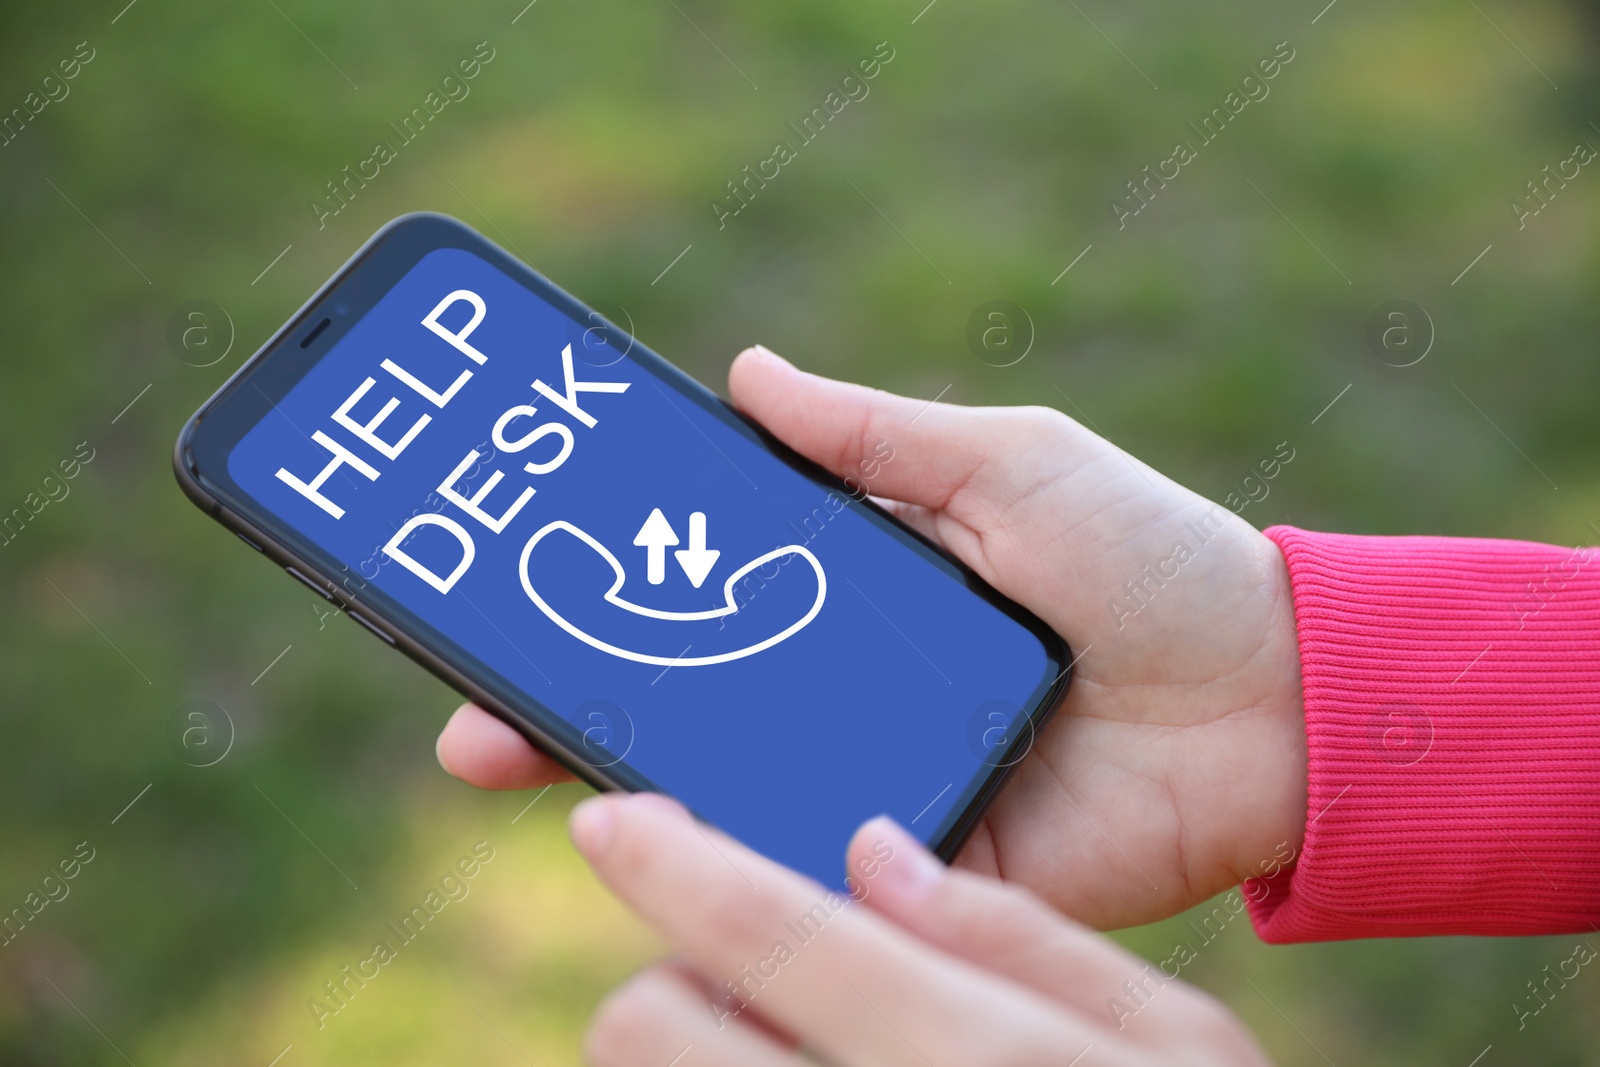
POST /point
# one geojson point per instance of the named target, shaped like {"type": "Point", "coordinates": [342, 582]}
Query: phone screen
{"type": "Point", "coordinates": [701, 614]}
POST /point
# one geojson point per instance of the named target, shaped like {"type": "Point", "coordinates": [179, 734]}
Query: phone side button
{"type": "Point", "coordinates": [249, 542]}
{"type": "Point", "coordinates": [370, 626]}
{"type": "Point", "coordinates": [310, 584]}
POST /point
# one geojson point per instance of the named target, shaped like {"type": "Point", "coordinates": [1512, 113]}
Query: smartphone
{"type": "Point", "coordinates": [508, 488]}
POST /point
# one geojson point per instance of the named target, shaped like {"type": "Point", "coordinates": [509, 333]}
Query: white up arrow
{"type": "Point", "coordinates": [654, 536]}
{"type": "Point", "coordinates": [697, 560]}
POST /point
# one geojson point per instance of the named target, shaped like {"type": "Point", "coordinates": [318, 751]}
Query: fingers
{"type": "Point", "coordinates": [893, 446]}
{"type": "Point", "coordinates": [999, 927]}
{"type": "Point", "coordinates": [661, 1016]}
{"type": "Point", "coordinates": [843, 980]}
{"type": "Point", "coordinates": [481, 750]}
{"type": "Point", "coordinates": [1009, 932]}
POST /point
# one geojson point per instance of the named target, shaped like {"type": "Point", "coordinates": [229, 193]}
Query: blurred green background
{"type": "Point", "coordinates": [187, 156]}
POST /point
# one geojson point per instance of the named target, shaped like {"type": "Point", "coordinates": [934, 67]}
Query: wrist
{"type": "Point", "coordinates": [1276, 788]}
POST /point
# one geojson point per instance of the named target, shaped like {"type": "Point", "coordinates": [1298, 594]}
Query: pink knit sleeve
{"type": "Point", "coordinates": [1452, 702]}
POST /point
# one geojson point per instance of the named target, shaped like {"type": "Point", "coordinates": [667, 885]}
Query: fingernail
{"type": "Point", "coordinates": [768, 353]}
{"type": "Point", "coordinates": [906, 867]}
{"type": "Point", "coordinates": [591, 825]}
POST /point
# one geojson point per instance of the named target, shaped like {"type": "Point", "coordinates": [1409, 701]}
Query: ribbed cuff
{"type": "Point", "coordinates": [1452, 702]}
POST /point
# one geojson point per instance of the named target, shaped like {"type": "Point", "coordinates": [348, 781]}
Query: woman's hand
{"type": "Point", "coordinates": [1177, 766]}
{"type": "Point", "coordinates": [932, 968]}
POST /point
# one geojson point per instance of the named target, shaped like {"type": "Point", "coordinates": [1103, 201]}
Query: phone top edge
{"type": "Point", "coordinates": [191, 480]}
{"type": "Point", "coordinates": [383, 233]}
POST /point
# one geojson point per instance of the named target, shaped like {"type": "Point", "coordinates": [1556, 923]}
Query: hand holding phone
{"type": "Point", "coordinates": [1177, 765]}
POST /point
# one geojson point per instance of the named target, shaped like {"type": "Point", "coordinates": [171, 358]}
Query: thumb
{"type": "Point", "coordinates": [996, 926]}
{"type": "Point", "coordinates": [938, 456]}
{"type": "Point", "coordinates": [1010, 932]}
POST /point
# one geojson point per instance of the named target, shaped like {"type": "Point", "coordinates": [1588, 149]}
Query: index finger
{"type": "Point", "coordinates": [842, 979]}
{"type": "Point", "coordinates": [481, 750]}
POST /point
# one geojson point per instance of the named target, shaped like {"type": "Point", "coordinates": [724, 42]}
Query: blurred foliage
{"type": "Point", "coordinates": [186, 158]}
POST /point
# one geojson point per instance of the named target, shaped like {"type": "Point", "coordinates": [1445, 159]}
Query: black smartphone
{"type": "Point", "coordinates": [507, 487]}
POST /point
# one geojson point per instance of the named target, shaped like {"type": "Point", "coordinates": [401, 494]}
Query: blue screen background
{"type": "Point", "coordinates": [884, 703]}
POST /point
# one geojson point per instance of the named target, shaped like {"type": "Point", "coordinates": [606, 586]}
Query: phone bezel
{"type": "Point", "coordinates": [200, 462]}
